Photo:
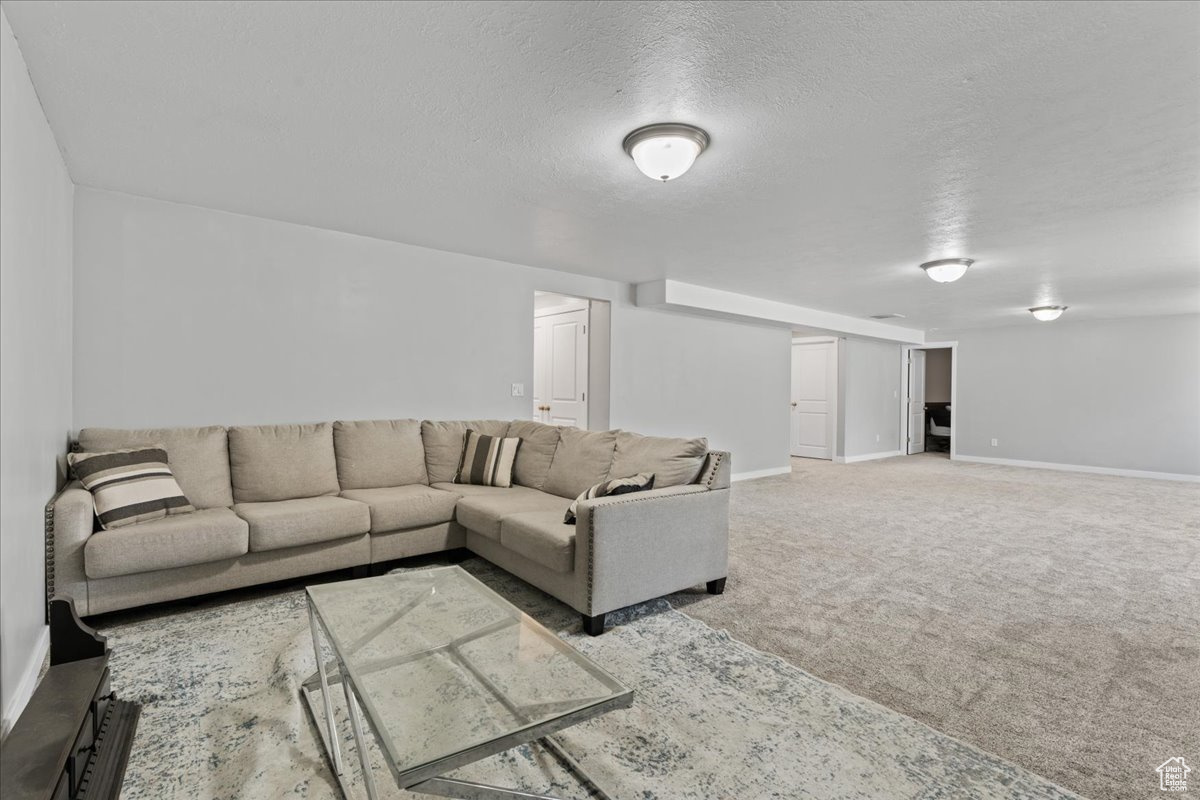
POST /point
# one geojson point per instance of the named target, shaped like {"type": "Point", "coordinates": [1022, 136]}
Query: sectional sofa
{"type": "Point", "coordinates": [282, 501]}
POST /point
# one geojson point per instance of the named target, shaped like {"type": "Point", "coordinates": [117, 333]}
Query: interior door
{"type": "Point", "coordinates": [814, 398]}
{"type": "Point", "coordinates": [916, 401]}
{"type": "Point", "coordinates": [541, 369]}
{"type": "Point", "coordinates": [560, 354]}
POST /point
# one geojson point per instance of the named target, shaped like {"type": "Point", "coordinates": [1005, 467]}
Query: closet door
{"type": "Point", "coordinates": [560, 368]}
{"type": "Point", "coordinates": [814, 399]}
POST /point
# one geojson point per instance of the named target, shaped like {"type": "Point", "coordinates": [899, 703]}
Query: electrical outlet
{"type": "Point", "coordinates": [995, 442]}
{"type": "Point", "coordinates": [877, 438]}
{"type": "Point", "coordinates": [518, 390]}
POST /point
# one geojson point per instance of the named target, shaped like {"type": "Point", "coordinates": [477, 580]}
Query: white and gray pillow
{"type": "Point", "coordinates": [643, 481]}
{"type": "Point", "coordinates": [487, 460]}
{"type": "Point", "coordinates": [130, 486]}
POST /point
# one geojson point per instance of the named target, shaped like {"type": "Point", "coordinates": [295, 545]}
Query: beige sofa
{"type": "Point", "coordinates": [281, 501]}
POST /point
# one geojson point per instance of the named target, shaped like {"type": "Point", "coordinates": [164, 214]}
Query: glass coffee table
{"type": "Point", "coordinates": [446, 672]}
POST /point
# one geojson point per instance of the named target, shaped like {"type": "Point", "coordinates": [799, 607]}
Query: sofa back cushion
{"type": "Point", "coordinates": [444, 444]}
{"type": "Point", "coordinates": [538, 443]}
{"type": "Point", "coordinates": [379, 454]}
{"type": "Point", "coordinates": [198, 457]}
{"type": "Point", "coordinates": [282, 462]}
{"type": "Point", "coordinates": [674, 462]}
{"type": "Point", "coordinates": [581, 460]}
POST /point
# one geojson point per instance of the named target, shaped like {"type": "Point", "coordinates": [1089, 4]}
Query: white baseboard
{"type": "Point", "coordinates": [760, 473]}
{"type": "Point", "coordinates": [1124, 473]}
{"type": "Point", "coordinates": [865, 457]}
{"type": "Point", "coordinates": [27, 683]}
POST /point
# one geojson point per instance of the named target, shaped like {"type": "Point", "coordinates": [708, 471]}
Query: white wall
{"type": "Point", "coordinates": [35, 363]}
{"type": "Point", "coordinates": [869, 392]}
{"type": "Point", "coordinates": [1118, 394]}
{"type": "Point", "coordinates": [191, 316]}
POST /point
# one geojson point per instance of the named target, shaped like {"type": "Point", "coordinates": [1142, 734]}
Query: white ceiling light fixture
{"type": "Point", "coordinates": [666, 150]}
{"type": "Point", "coordinates": [947, 270]}
{"type": "Point", "coordinates": [1047, 313]}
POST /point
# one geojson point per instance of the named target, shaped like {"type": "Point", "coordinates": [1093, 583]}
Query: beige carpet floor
{"type": "Point", "coordinates": [1050, 618]}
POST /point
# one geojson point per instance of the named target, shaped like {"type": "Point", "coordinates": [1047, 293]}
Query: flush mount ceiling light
{"type": "Point", "coordinates": [947, 270]}
{"type": "Point", "coordinates": [1047, 313]}
{"type": "Point", "coordinates": [666, 150]}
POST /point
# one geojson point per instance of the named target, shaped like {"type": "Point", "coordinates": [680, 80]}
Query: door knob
{"type": "Point", "coordinates": [793, 404]}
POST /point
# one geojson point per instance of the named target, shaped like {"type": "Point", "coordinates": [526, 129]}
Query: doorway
{"type": "Point", "coordinates": [814, 397]}
{"type": "Point", "coordinates": [928, 410]}
{"type": "Point", "coordinates": [570, 361]}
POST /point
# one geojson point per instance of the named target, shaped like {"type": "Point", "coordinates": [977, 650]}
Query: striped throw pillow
{"type": "Point", "coordinates": [641, 482]}
{"type": "Point", "coordinates": [487, 460]}
{"type": "Point", "coordinates": [130, 486]}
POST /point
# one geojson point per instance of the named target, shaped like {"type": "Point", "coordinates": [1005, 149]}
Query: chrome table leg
{"type": "Point", "coordinates": [575, 767]}
{"type": "Point", "coordinates": [469, 790]}
{"type": "Point", "coordinates": [330, 724]}
{"type": "Point", "coordinates": [359, 741]}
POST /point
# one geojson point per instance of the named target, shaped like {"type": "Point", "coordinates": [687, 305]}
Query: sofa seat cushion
{"type": "Point", "coordinates": [291, 523]}
{"type": "Point", "coordinates": [483, 513]}
{"type": "Point", "coordinates": [201, 537]}
{"type": "Point", "coordinates": [540, 536]}
{"type": "Point", "coordinates": [199, 457]}
{"type": "Point", "coordinates": [403, 507]}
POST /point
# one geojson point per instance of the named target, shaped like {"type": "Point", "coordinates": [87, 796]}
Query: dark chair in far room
{"type": "Point", "coordinates": [937, 420]}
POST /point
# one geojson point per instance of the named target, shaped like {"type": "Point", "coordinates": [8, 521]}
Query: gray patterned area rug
{"type": "Point", "coordinates": [712, 717]}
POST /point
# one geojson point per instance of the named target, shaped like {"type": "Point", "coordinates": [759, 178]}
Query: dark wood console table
{"type": "Point", "coordinates": [73, 739]}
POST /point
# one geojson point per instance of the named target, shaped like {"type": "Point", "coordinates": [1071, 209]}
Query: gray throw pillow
{"type": "Point", "coordinates": [641, 482]}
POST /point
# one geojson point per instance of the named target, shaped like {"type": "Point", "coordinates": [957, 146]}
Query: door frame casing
{"type": "Point", "coordinates": [835, 402]}
{"type": "Point", "coordinates": [905, 349]}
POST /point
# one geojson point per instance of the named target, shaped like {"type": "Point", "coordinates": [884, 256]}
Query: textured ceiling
{"type": "Point", "coordinates": [1056, 143]}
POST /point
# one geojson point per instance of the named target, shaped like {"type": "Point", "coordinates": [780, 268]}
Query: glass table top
{"type": "Point", "coordinates": [443, 666]}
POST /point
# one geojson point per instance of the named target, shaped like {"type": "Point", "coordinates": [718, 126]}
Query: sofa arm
{"type": "Point", "coordinates": [638, 546]}
{"type": "Point", "coordinates": [715, 474]}
{"type": "Point", "coordinates": [70, 518]}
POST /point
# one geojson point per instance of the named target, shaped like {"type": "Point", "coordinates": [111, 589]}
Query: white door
{"type": "Point", "coordinates": [560, 368]}
{"type": "Point", "coordinates": [814, 398]}
{"type": "Point", "coordinates": [541, 370]}
{"type": "Point", "coordinates": [916, 401]}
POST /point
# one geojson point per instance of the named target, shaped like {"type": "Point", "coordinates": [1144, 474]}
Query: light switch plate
{"type": "Point", "coordinates": [518, 390]}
